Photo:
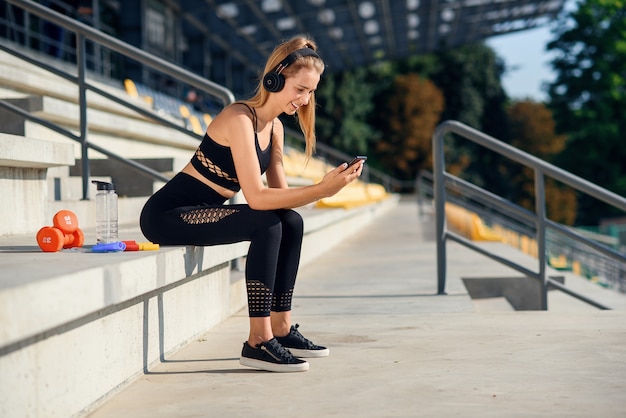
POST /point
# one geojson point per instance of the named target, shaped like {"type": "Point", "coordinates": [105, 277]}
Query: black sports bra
{"type": "Point", "coordinates": [215, 162]}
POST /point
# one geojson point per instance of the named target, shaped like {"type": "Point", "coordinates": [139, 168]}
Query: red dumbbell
{"type": "Point", "coordinates": [64, 234]}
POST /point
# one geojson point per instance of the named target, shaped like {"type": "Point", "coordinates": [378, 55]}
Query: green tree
{"type": "Point", "coordinates": [345, 102]}
{"type": "Point", "coordinates": [588, 97]}
{"type": "Point", "coordinates": [469, 77]}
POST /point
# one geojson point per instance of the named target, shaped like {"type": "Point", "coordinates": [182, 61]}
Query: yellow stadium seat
{"type": "Point", "coordinates": [469, 224]}
{"type": "Point", "coordinates": [131, 88]}
{"type": "Point", "coordinates": [355, 194]}
{"type": "Point", "coordinates": [196, 126]}
{"type": "Point", "coordinates": [184, 111]}
{"type": "Point", "coordinates": [132, 91]}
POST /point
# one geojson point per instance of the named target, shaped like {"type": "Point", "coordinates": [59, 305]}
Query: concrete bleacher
{"type": "Point", "coordinates": [76, 325]}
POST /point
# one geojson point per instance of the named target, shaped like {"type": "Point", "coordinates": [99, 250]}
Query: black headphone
{"type": "Point", "coordinates": [274, 81]}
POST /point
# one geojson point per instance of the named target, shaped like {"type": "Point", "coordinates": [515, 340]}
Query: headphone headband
{"type": "Point", "coordinates": [274, 81]}
{"type": "Point", "coordinates": [291, 58]}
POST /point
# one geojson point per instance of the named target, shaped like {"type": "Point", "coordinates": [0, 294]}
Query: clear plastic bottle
{"type": "Point", "coordinates": [106, 212]}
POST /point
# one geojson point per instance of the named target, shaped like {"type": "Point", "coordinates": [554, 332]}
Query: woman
{"type": "Point", "coordinates": [243, 141]}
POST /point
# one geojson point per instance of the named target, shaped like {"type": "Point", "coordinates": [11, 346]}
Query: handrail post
{"type": "Point", "coordinates": [540, 210]}
{"type": "Point", "coordinates": [81, 62]}
{"type": "Point", "coordinates": [440, 215]}
{"type": "Point", "coordinates": [421, 196]}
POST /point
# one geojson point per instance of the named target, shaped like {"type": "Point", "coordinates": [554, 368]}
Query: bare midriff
{"type": "Point", "coordinates": [190, 169]}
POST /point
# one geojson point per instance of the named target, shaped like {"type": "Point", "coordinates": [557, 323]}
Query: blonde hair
{"type": "Point", "coordinates": [305, 114]}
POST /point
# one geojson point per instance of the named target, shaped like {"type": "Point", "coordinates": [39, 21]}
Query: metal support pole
{"type": "Point", "coordinates": [421, 196]}
{"type": "Point", "coordinates": [81, 62]}
{"type": "Point", "coordinates": [540, 210]}
{"type": "Point", "coordinates": [440, 214]}
{"type": "Point", "coordinates": [97, 48]}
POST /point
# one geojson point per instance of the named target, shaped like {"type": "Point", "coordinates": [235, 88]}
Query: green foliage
{"type": "Point", "coordinates": [345, 100]}
{"type": "Point", "coordinates": [469, 77]}
{"type": "Point", "coordinates": [588, 97]}
{"type": "Point", "coordinates": [360, 111]}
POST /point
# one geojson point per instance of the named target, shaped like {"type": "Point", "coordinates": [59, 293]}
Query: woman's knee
{"type": "Point", "coordinates": [266, 224]}
{"type": "Point", "coordinates": [292, 220]}
{"type": "Point", "coordinates": [285, 222]}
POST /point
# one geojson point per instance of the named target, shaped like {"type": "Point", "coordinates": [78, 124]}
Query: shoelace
{"type": "Point", "coordinates": [297, 334]}
{"type": "Point", "coordinates": [274, 346]}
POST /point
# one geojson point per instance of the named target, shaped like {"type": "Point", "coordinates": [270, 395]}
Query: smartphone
{"type": "Point", "coordinates": [357, 159]}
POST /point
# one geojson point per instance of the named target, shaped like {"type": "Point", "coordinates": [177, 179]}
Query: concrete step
{"type": "Point", "coordinates": [102, 124]}
{"type": "Point", "coordinates": [23, 165]}
{"type": "Point", "coordinates": [62, 186]}
{"type": "Point", "coordinates": [29, 202]}
{"type": "Point", "coordinates": [19, 79]}
{"type": "Point", "coordinates": [19, 76]}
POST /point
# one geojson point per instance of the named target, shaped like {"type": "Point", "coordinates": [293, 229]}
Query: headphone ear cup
{"type": "Point", "coordinates": [273, 82]}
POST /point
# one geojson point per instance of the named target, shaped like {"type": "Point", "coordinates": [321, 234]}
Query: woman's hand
{"type": "Point", "coordinates": [338, 178]}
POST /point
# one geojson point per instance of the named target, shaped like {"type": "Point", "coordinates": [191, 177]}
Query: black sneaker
{"type": "Point", "coordinates": [271, 356]}
{"type": "Point", "coordinates": [300, 346]}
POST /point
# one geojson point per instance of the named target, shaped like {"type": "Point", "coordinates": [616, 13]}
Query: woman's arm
{"type": "Point", "coordinates": [286, 198]}
{"type": "Point", "coordinates": [275, 173]}
{"type": "Point", "coordinates": [234, 129]}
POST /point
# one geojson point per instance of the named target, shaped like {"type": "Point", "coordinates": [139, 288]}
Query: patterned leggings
{"type": "Point", "coordinates": [187, 212]}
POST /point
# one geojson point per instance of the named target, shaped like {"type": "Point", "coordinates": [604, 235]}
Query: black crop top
{"type": "Point", "coordinates": [215, 162]}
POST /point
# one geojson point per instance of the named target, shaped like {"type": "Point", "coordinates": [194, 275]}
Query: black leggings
{"type": "Point", "coordinates": [187, 212]}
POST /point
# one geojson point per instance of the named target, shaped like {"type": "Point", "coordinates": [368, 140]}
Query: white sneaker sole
{"type": "Point", "coordinates": [273, 367]}
{"type": "Point", "coordinates": [309, 353]}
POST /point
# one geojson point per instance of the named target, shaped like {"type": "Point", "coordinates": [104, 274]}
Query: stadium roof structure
{"type": "Point", "coordinates": [355, 33]}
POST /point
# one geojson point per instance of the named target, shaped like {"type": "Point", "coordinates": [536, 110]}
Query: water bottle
{"type": "Point", "coordinates": [106, 212]}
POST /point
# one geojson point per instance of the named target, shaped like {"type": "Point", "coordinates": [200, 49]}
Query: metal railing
{"type": "Point", "coordinates": [538, 219]}
{"type": "Point", "coordinates": [84, 32]}
{"type": "Point", "coordinates": [519, 222]}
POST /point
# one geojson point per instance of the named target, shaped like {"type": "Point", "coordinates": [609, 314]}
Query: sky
{"type": "Point", "coordinates": [524, 53]}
